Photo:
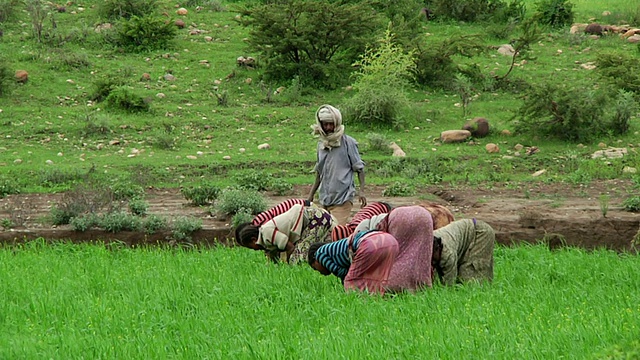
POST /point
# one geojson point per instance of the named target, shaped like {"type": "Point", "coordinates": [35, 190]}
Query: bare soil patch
{"type": "Point", "coordinates": [559, 214]}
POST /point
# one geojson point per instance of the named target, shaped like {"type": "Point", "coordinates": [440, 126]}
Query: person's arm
{"type": "Point", "coordinates": [361, 193]}
{"type": "Point", "coordinates": [449, 266]}
{"type": "Point", "coordinates": [315, 186]}
{"type": "Point", "coordinates": [289, 250]}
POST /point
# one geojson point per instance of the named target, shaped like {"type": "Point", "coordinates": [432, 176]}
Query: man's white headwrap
{"type": "Point", "coordinates": [328, 113]}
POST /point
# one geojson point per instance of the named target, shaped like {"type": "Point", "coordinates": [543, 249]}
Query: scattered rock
{"type": "Point", "coordinates": [264, 146]}
{"type": "Point", "coordinates": [454, 136]}
{"type": "Point", "coordinates": [226, 157]}
{"type": "Point", "coordinates": [279, 90]}
{"type": "Point", "coordinates": [192, 157]}
{"type": "Point", "coordinates": [539, 172]}
{"type": "Point", "coordinates": [634, 39]}
{"type": "Point", "coordinates": [610, 153]}
{"type": "Point", "coordinates": [145, 77]}
{"type": "Point", "coordinates": [247, 62]}
{"type": "Point", "coordinates": [248, 81]}
{"type": "Point", "coordinates": [17, 161]}
{"type": "Point", "coordinates": [492, 148]}
{"type": "Point", "coordinates": [506, 50]}
{"type": "Point", "coordinates": [602, 145]}
{"type": "Point", "coordinates": [588, 65]}
{"type": "Point", "coordinates": [180, 24]}
{"type": "Point", "coordinates": [577, 28]}
{"type": "Point", "coordinates": [629, 33]}
{"type": "Point", "coordinates": [161, 95]}
{"type": "Point", "coordinates": [606, 13]}
{"type": "Point", "coordinates": [182, 11]}
{"type": "Point", "coordinates": [242, 150]}
{"type": "Point", "coordinates": [169, 77]}
{"type": "Point", "coordinates": [629, 170]}
{"type": "Point", "coordinates": [532, 150]}
{"type": "Point", "coordinates": [518, 147]}
{"type": "Point", "coordinates": [114, 142]}
{"type": "Point", "coordinates": [479, 127]}
{"type": "Point", "coordinates": [397, 151]}
{"type": "Point", "coordinates": [208, 38]}
{"type": "Point", "coordinates": [22, 76]}
{"type": "Point", "coordinates": [49, 162]}
{"type": "Point", "coordinates": [506, 132]}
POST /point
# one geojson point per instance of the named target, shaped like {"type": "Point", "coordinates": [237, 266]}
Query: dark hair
{"type": "Point", "coordinates": [311, 255]}
{"type": "Point", "coordinates": [389, 206]}
{"type": "Point", "coordinates": [437, 243]}
{"type": "Point", "coordinates": [245, 232]}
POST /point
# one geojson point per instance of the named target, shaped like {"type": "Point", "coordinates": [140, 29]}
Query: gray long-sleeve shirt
{"type": "Point", "coordinates": [336, 167]}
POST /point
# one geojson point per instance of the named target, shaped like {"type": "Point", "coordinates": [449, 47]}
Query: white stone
{"type": "Point", "coordinates": [226, 157]}
{"type": "Point", "coordinates": [539, 172]}
{"type": "Point", "coordinates": [629, 170]}
{"type": "Point", "coordinates": [264, 146]}
{"type": "Point", "coordinates": [49, 162]}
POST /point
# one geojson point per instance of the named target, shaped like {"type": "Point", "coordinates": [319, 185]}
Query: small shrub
{"type": "Point", "coordinates": [111, 10]}
{"type": "Point", "coordinates": [475, 10]}
{"type": "Point", "coordinates": [231, 201]}
{"type": "Point", "coordinates": [555, 13]}
{"type": "Point", "coordinates": [154, 223]}
{"type": "Point", "coordinates": [384, 73]}
{"type": "Point", "coordinates": [632, 204]}
{"type": "Point", "coordinates": [399, 189]}
{"type": "Point", "coordinates": [252, 180]}
{"type": "Point", "coordinates": [280, 187]}
{"type": "Point", "coordinates": [6, 224]}
{"type": "Point", "coordinates": [603, 200]}
{"type": "Point", "coordinates": [52, 177]}
{"type": "Point", "coordinates": [241, 217]}
{"type": "Point", "coordinates": [620, 69]}
{"type": "Point", "coordinates": [7, 78]}
{"type": "Point", "coordinates": [138, 207]}
{"type": "Point", "coordinates": [8, 9]}
{"type": "Point", "coordinates": [120, 221]}
{"type": "Point", "coordinates": [62, 215]}
{"type": "Point", "coordinates": [145, 33]}
{"type": "Point", "coordinates": [378, 142]}
{"type": "Point", "coordinates": [85, 222]}
{"type": "Point", "coordinates": [8, 187]}
{"type": "Point", "coordinates": [202, 194]}
{"type": "Point", "coordinates": [123, 98]}
{"type": "Point", "coordinates": [83, 199]}
{"type": "Point", "coordinates": [125, 190]}
{"type": "Point", "coordinates": [183, 227]}
{"type": "Point", "coordinates": [96, 126]}
{"type": "Point", "coordinates": [104, 86]}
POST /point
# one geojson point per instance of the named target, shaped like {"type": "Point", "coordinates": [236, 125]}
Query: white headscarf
{"type": "Point", "coordinates": [328, 113]}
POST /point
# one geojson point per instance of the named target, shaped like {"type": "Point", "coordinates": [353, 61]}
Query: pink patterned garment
{"type": "Point", "coordinates": [372, 263]}
{"type": "Point", "coordinates": [412, 227]}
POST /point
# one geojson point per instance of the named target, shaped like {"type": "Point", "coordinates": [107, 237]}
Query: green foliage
{"type": "Point", "coordinates": [398, 189]}
{"type": "Point", "coordinates": [435, 64]}
{"type": "Point", "coordinates": [123, 189]}
{"type": "Point", "coordinates": [6, 223]}
{"type": "Point", "coordinates": [145, 33]}
{"type": "Point", "coordinates": [104, 85]}
{"type": "Point", "coordinates": [62, 215]}
{"type": "Point", "coordinates": [477, 10]}
{"type": "Point", "coordinates": [138, 207]}
{"type": "Point", "coordinates": [53, 177]}
{"type": "Point", "coordinates": [8, 9]}
{"type": "Point", "coordinates": [120, 221]}
{"type": "Point", "coordinates": [378, 142]}
{"type": "Point", "coordinates": [123, 98]}
{"type": "Point", "coordinates": [201, 194]}
{"type": "Point", "coordinates": [561, 112]}
{"type": "Point", "coordinates": [529, 34]}
{"type": "Point", "coordinates": [8, 186]}
{"type": "Point", "coordinates": [428, 171]}
{"type": "Point", "coordinates": [603, 200]}
{"type": "Point", "coordinates": [241, 217]}
{"type": "Point", "coordinates": [232, 201]}
{"type": "Point", "coordinates": [280, 187]}
{"type": "Point", "coordinates": [314, 40]}
{"type": "Point", "coordinates": [632, 204]}
{"type": "Point", "coordinates": [384, 74]}
{"type": "Point", "coordinates": [625, 108]}
{"type": "Point", "coordinates": [154, 223]}
{"type": "Point", "coordinates": [112, 10]}
{"type": "Point", "coordinates": [85, 222]}
{"type": "Point", "coordinates": [6, 78]}
{"type": "Point", "coordinates": [555, 13]}
{"type": "Point", "coordinates": [96, 125]}
{"type": "Point", "coordinates": [183, 227]}
{"type": "Point", "coordinates": [621, 69]}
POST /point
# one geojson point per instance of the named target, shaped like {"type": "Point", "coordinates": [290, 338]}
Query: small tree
{"type": "Point", "coordinates": [385, 72]}
{"type": "Point", "coordinates": [314, 40]}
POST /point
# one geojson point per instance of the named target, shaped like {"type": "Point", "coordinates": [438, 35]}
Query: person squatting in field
{"type": "Point", "coordinates": [338, 159]}
{"type": "Point", "coordinates": [291, 232]}
{"type": "Point", "coordinates": [410, 270]}
{"type": "Point", "coordinates": [372, 209]}
{"type": "Point", "coordinates": [440, 215]}
{"type": "Point", "coordinates": [463, 251]}
{"type": "Point", "coordinates": [362, 261]}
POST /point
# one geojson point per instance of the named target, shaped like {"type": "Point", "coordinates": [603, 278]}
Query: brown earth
{"type": "Point", "coordinates": [559, 214]}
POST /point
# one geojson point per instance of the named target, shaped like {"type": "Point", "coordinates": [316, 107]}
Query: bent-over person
{"type": "Point", "coordinates": [463, 251]}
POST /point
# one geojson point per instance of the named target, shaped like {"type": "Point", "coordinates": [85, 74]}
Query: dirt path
{"type": "Point", "coordinates": [517, 214]}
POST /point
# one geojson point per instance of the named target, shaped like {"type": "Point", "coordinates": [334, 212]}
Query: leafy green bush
{"type": "Point", "coordinates": [201, 194]}
{"type": "Point", "coordinates": [7, 77]}
{"type": "Point", "coordinates": [620, 69]}
{"type": "Point", "coordinates": [476, 10]}
{"type": "Point", "coordinates": [154, 223]}
{"type": "Point", "coordinates": [104, 85]}
{"type": "Point", "coordinates": [316, 40]}
{"type": "Point", "coordinates": [280, 187]}
{"type": "Point", "coordinates": [632, 204]}
{"type": "Point", "coordinates": [183, 227]}
{"type": "Point", "coordinates": [138, 207]}
{"type": "Point", "coordinates": [52, 177]}
{"type": "Point", "coordinates": [384, 73]}
{"type": "Point", "coordinates": [241, 217]}
{"type": "Point", "coordinates": [251, 179]}
{"type": "Point", "coordinates": [399, 189]}
{"type": "Point", "coordinates": [85, 222]}
{"type": "Point", "coordinates": [378, 142]}
{"type": "Point", "coordinates": [62, 215]}
{"type": "Point", "coordinates": [561, 112]}
{"type": "Point", "coordinates": [144, 33]}
{"type": "Point", "coordinates": [7, 9]}
{"type": "Point", "coordinates": [232, 201]}
{"type": "Point", "coordinates": [111, 10]}
{"type": "Point", "coordinates": [96, 126]}
{"type": "Point", "coordinates": [8, 186]}
{"type": "Point", "coordinates": [120, 221]}
{"type": "Point", "coordinates": [126, 190]}
{"type": "Point", "coordinates": [123, 98]}
{"type": "Point", "coordinates": [555, 13]}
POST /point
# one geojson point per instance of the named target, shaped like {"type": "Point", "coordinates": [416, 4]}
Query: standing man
{"type": "Point", "coordinates": [338, 158]}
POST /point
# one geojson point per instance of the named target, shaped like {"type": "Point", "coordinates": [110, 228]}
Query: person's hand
{"type": "Point", "coordinates": [363, 198]}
